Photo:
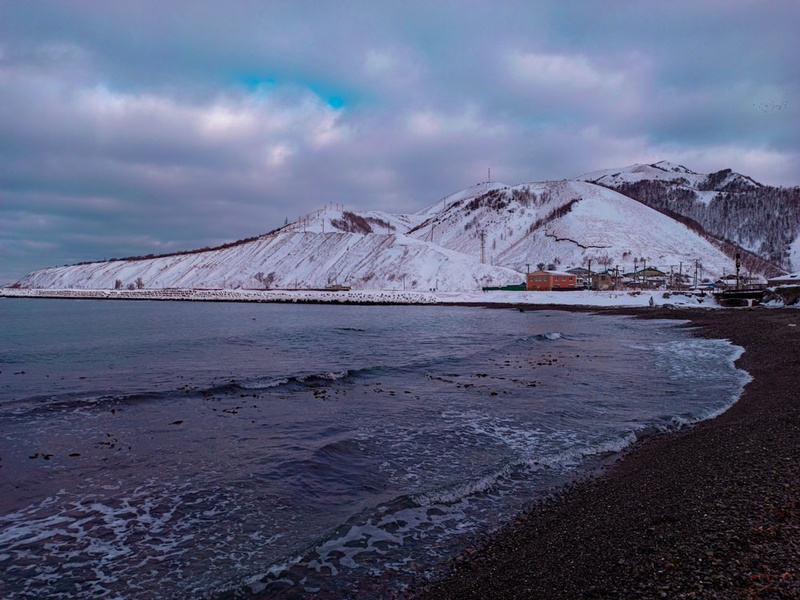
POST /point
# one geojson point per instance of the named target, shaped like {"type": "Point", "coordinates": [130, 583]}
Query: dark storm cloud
{"type": "Point", "coordinates": [138, 127]}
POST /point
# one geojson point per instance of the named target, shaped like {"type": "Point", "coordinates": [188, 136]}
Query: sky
{"type": "Point", "coordinates": [143, 127]}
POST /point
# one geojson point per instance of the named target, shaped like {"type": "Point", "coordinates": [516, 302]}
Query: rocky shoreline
{"type": "Point", "coordinates": [709, 512]}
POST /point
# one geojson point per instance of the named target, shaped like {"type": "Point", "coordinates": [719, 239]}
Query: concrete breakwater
{"type": "Point", "coordinates": [219, 295]}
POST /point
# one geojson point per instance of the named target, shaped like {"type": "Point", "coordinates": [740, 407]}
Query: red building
{"type": "Point", "coordinates": [544, 281]}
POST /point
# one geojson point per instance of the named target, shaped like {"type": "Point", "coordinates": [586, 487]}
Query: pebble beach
{"type": "Point", "coordinates": [708, 512]}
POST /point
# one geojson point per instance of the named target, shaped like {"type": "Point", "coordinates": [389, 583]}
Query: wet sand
{"type": "Point", "coordinates": [708, 512]}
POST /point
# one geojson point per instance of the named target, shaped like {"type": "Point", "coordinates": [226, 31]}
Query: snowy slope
{"type": "Point", "coordinates": [293, 260]}
{"type": "Point", "coordinates": [488, 234]}
{"type": "Point", "coordinates": [524, 225]}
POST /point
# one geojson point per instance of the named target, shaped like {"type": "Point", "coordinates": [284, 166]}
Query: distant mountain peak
{"type": "Point", "coordinates": [724, 180]}
{"type": "Point", "coordinates": [667, 166]}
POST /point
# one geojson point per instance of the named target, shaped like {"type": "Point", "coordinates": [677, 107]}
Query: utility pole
{"type": "Point", "coordinates": [738, 265]}
{"type": "Point", "coordinates": [644, 273]}
{"type": "Point", "coordinates": [590, 275]}
{"type": "Point", "coordinates": [482, 234]}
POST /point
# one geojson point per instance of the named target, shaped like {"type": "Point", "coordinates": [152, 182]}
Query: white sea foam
{"type": "Point", "coordinates": [128, 542]}
{"type": "Point", "coordinates": [458, 492]}
{"type": "Point", "coordinates": [329, 376]}
{"type": "Point", "coordinates": [383, 541]}
{"type": "Point", "coordinates": [574, 456]}
{"type": "Point", "coordinates": [265, 384]}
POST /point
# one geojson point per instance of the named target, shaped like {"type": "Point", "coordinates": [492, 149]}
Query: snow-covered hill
{"type": "Point", "coordinates": [488, 234]}
{"type": "Point", "coordinates": [565, 223]}
{"type": "Point", "coordinates": [292, 259]}
{"type": "Point", "coordinates": [761, 219]}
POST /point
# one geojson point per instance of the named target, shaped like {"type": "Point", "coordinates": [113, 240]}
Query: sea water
{"type": "Point", "coordinates": [221, 450]}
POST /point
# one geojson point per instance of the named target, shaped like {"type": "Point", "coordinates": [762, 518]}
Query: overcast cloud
{"type": "Point", "coordinates": [146, 126]}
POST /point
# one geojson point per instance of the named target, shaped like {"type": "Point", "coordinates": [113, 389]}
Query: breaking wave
{"type": "Point", "coordinates": [532, 340]}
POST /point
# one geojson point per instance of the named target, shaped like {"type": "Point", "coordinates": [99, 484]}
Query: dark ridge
{"type": "Point", "coordinates": [767, 218]}
{"type": "Point", "coordinates": [183, 252]}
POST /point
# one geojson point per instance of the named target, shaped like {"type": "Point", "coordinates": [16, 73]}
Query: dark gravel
{"type": "Point", "coordinates": [710, 512]}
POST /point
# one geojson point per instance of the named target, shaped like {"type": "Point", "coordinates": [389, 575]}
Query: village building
{"type": "Point", "coordinates": [603, 280]}
{"type": "Point", "coordinates": [582, 274]}
{"type": "Point", "coordinates": [546, 281]}
{"type": "Point", "coordinates": [648, 278]}
{"type": "Point", "coordinates": [594, 280]}
{"type": "Point", "coordinates": [727, 282]}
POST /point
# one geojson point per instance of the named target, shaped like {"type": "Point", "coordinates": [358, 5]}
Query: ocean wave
{"type": "Point", "coordinates": [301, 381]}
{"type": "Point", "coordinates": [576, 455]}
{"type": "Point", "coordinates": [550, 336]}
{"type": "Point", "coordinates": [394, 528]}
{"type": "Point", "coordinates": [379, 539]}
{"type": "Point", "coordinates": [75, 402]}
{"type": "Point", "coordinates": [568, 458]}
{"type": "Point", "coordinates": [453, 494]}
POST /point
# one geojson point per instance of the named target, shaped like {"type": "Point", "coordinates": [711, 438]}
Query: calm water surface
{"type": "Point", "coordinates": [192, 450]}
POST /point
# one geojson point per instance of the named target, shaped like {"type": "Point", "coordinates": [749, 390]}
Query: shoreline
{"type": "Point", "coordinates": [568, 299]}
{"type": "Point", "coordinates": [712, 511]}
{"type": "Point", "coordinates": [708, 512]}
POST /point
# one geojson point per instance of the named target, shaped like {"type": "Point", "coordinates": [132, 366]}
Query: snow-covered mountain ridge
{"type": "Point", "coordinates": [488, 234]}
{"type": "Point", "coordinates": [724, 180]}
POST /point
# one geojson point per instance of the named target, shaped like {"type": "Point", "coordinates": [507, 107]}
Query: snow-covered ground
{"type": "Point", "coordinates": [571, 298]}
{"type": "Point", "coordinates": [488, 235]}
